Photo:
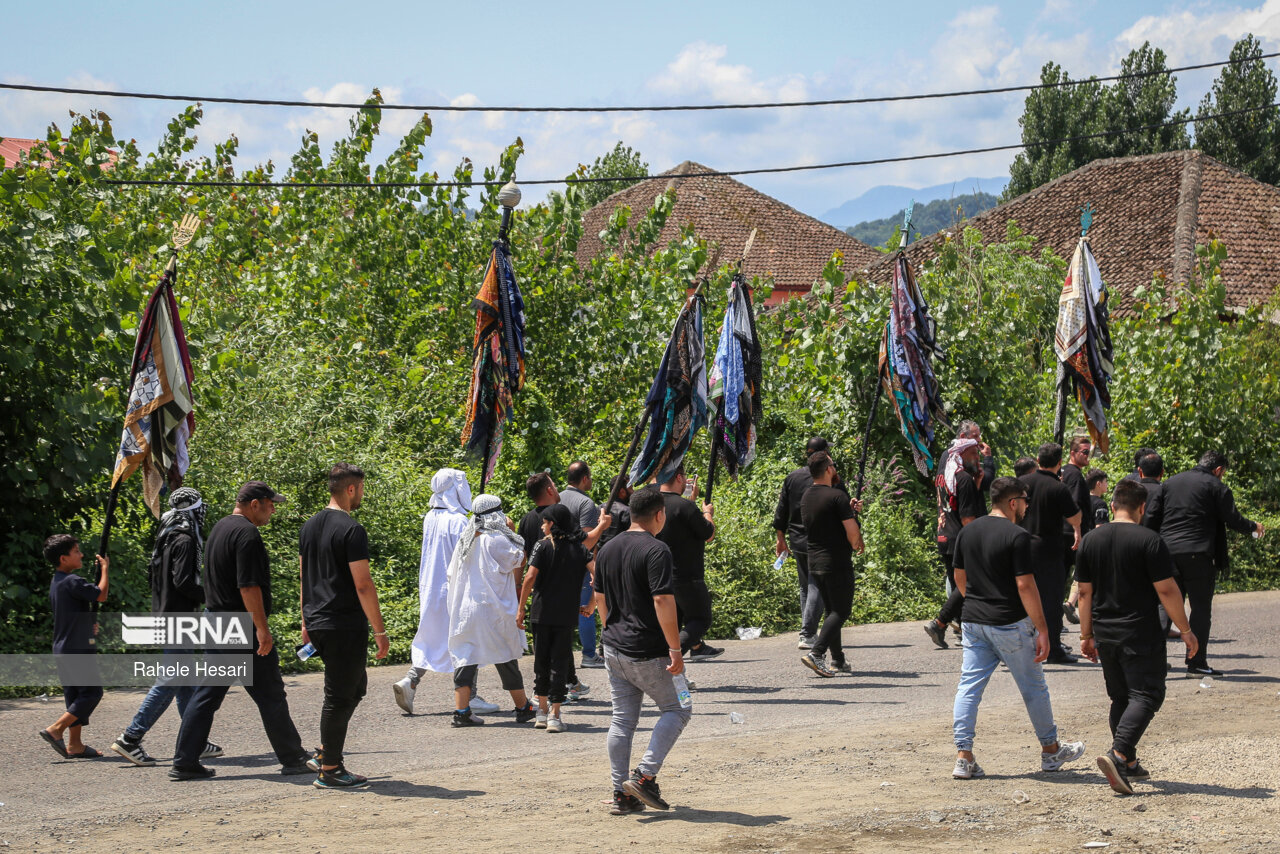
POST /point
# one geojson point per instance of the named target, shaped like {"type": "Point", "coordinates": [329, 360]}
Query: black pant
{"type": "Point", "coordinates": [267, 691]}
{"type": "Point", "coordinates": [345, 653]}
{"type": "Point", "coordinates": [1051, 575]}
{"type": "Point", "coordinates": [81, 700]}
{"type": "Point", "coordinates": [1197, 576]}
{"type": "Point", "coordinates": [1135, 683]}
{"type": "Point", "coordinates": [693, 610]}
{"type": "Point", "coordinates": [552, 660]}
{"type": "Point", "coordinates": [508, 672]}
{"type": "Point", "coordinates": [837, 594]}
{"type": "Point", "coordinates": [953, 609]}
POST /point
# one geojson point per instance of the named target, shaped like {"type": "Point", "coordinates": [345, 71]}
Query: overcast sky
{"type": "Point", "coordinates": [573, 54]}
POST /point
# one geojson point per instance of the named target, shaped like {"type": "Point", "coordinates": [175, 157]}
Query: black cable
{"type": "Point", "coordinates": [706, 173]}
{"type": "Point", "coordinates": [446, 108]}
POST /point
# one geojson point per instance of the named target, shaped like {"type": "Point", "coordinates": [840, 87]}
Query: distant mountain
{"type": "Point", "coordinates": [883, 200]}
{"type": "Point", "coordinates": [926, 219]}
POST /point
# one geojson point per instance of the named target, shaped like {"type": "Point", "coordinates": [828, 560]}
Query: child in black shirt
{"type": "Point", "coordinates": [556, 569]}
{"type": "Point", "coordinates": [69, 596]}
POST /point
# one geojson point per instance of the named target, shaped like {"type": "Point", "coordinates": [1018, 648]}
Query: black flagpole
{"type": "Point", "coordinates": [717, 436]}
{"type": "Point", "coordinates": [508, 198]}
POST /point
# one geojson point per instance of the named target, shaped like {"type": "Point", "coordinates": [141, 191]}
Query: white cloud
{"type": "Point", "coordinates": [1204, 33]}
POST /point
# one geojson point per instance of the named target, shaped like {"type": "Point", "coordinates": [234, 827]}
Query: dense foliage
{"type": "Point", "coordinates": [335, 324]}
{"type": "Point", "coordinates": [926, 219]}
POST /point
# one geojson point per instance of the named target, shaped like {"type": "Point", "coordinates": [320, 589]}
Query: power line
{"type": "Point", "coordinates": [706, 173]}
{"type": "Point", "coordinates": [880, 99]}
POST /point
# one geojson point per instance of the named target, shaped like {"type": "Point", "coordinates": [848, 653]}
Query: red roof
{"type": "Point", "coordinates": [791, 248]}
{"type": "Point", "coordinates": [13, 147]}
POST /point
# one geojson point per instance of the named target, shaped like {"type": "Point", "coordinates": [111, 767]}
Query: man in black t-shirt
{"type": "Point", "coordinates": [1124, 569]}
{"type": "Point", "coordinates": [237, 577]}
{"type": "Point", "coordinates": [961, 478]}
{"type": "Point", "coordinates": [339, 601]}
{"type": "Point", "coordinates": [1003, 624]}
{"type": "Point", "coordinates": [1049, 505]}
{"type": "Point", "coordinates": [687, 533]}
{"type": "Point", "coordinates": [788, 524]}
{"type": "Point", "coordinates": [619, 511]}
{"type": "Point", "coordinates": [635, 594]}
{"type": "Point", "coordinates": [831, 528]}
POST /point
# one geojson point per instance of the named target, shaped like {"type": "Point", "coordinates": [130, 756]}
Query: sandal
{"type": "Point", "coordinates": [55, 743]}
{"type": "Point", "coordinates": [87, 753]}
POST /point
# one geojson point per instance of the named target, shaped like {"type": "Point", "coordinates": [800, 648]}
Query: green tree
{"type": "Point", "coordinates": [621, 161]}
{"type": "Point", "coordinates": [1057, 112]}
{"type": "Point", "coordinates": [1064, 111]}
{"type": "Point", "coordinates": [1140, 102]}
{"type": "Point", "coordinates": [1249, 141]}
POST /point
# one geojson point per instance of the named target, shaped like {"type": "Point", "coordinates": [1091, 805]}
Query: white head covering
{"type": "Point", "coordinates": [952, 463]}
{"type": "Point", "coordinates": [450, 491]}
{"type": "Point", "coordinates": [487, 518]}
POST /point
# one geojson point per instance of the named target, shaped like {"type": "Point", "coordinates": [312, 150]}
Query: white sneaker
{"type": "Point", "coordinates": [967, 769]}
{"type": "Point", "coordinates": [1068, 751]}
{"type": "Point", "coordinates": [482, 706]}
{"type": "Point", "coordinates": [404, 692]}
{"type": "Point", "coordinates": [577, 692]}
{"type": "Point", "coordinates": [555, 725]}
{"type": "Point", "coordinates": [540, 720]}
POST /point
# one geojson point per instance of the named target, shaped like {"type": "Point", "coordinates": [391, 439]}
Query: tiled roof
{"type": "Point", "coordinates": [1149, 213]}
{"type": "Point", "coordinates": [790, 247]}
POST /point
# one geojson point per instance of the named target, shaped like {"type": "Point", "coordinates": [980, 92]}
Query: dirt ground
{"type": "Point", "coordinates": [856, 763]}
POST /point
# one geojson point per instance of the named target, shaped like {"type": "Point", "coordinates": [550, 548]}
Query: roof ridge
{"type": "Point", "coordinates": [1188, 215]}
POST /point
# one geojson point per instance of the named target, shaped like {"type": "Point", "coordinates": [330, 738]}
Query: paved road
{"type": "Point", "coordinates": [900, 678]}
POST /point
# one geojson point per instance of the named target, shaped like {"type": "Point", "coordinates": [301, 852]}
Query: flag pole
{"type": "Point", "coordinates": [717, 435]}
{"type": "Point", "coordinates": [875, 399]}
{"type": "Point", "coordinates": [508, 198]}
{"type": "Point", "coordinates": [644, 419]}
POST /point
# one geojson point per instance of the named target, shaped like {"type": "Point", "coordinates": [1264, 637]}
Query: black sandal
{"type": "Point", "coordinates": [55, 743]}
{"type": "Point", "coordinates": [88, 753]}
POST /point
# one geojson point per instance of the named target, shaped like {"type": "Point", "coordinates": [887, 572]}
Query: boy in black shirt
{"type": "Point", "coordinates": [70, 597]}
{"type": "Point", "coordinates": [1124, 570]}
{"type": "Point", "coordinates": [960, 500]}
{"type": "Point", "coordinates": [1050, 505]}
{"type": "Point", "coordinates": [831, 528]}
{"type": "Point", "coordinates": [339, 601]}
{"type": "Point", "coordinates": [635, 592]}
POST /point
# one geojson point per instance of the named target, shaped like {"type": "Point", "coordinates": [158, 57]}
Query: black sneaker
{"type": "Point", "coordinates": [1136, 771]}
{"type": "Point", "coordinates": [817, 665]}
{"type": "Point", "coordinates": [466, 718]}
{"type": "Point", "coordinates": [195, 772]}
{"type": "Point", "coordinates": [528, 713]}
{"type": "Point", "coordinates": [1061, 657]}
{"type": "Point", "coordinates": [936, 633]}
{"type": "Point", "coordinates": [1069, 611]}
{"type": "Point", "coordinates": [624, 804]}
{"type": "Point", "coordinates": [211, 751]}
{"type": "Point", "coordinates": [340, 778]}
{"type": "Point", "coordinates": [705, 652]}
{"type": "Point", "coordinates": [1202, 670]}
{"type": "Point", "coordinates": [645, 789]}
{"type": "Point", "coordinates": [1115, 771]}
{"type": "Point", "coordinates": [132, 750]}
{"type": "Point", "coordinates": [316, 760]}
{"type": "Point", "coordinates": [302, 766]}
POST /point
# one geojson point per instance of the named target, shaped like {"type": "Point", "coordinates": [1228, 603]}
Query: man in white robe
{"type": "Point", "coordinates": [482, 609]}
{"type": "Point", "coordinates": [441, 528]}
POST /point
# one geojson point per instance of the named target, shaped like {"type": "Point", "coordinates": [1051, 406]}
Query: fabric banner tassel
{"type": "Point", "coordinates": [736, 376]}
{"type": "Point", "coordinates": [1082, 343]}
{"type": "Point", "coordinates": [159, 419]}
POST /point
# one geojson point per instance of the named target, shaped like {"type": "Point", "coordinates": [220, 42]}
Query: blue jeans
{"type": "Point", "coordinates": [984, 648]}
{"type": "Point", "coordinates": [587, 625]}
{"type": "Point", "coordinates": [630, 679]}
{"type": "Point", "coordinates": [157, 701]}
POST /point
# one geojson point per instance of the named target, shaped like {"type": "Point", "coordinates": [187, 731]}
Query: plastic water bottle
{"type": "Point", "coordinates": [782, 558]}
{"type": "Point", "coordinates": [306, 651]}
{"type": "Point", "coordinates": [682, 691]}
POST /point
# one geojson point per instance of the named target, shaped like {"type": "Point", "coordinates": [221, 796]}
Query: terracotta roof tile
{"type": "Point", "coordinates": [1149, 213]}
{"type": "Point", "coordinates": [791, 248]}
